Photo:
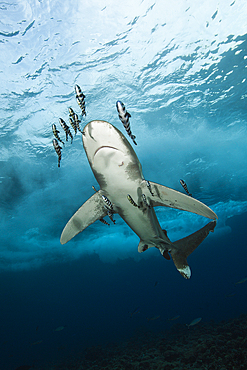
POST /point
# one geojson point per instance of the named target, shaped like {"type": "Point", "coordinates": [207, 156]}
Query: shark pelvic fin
{"type": "Point", "coordinates": [142, 246]}
{"type": "Point", "coordinates": [184, 247]}
{"type": "Point", "coordinates": [164, 196]}
{"type": "Point", "coordinates": [92, 210]}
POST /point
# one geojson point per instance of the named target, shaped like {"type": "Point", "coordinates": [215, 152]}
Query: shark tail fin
{"type": "Point", "coordinates": [185, 246]}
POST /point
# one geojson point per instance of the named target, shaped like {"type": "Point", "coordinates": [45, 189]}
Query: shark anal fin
{"type": "Point", "coordinates": [92, 210]}
{"type": "Point", "coordinates": [164, 196]}
{"type": "Point", "coordinates": [184, 247]}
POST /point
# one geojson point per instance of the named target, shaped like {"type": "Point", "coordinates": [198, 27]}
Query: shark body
{"type": "Point", "coordinates": [119, 174]}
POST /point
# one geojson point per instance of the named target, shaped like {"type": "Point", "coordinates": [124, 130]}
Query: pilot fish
{"type": "Point", "coordinates": [104, 221]}
{"type": "Point", "coordinates": [66, 129]}
{"type": "Point", "coordinates": [73, 124]}
{"type": "Point", "coordinates": [182, 182]}
{"type": "Point", "coordinates": [107, 202]}
{"type": "Point", "coordinates": [58, 150]}
{"type": "Point", "coordinates": [109, 208]}
{"type": "Point", "coordinates": [124, 118]}
{"type": "Point", "coordinates": [72, 114]}
{"type": "Point", "coordinates": [145, 201]}
{"type": "Point", "coordinates": [80, 98]}
{"type": "Point", "coordinates": [77, 122]}
{"type": "Point", "coordinates": [149, 187]}
{"type": "Point", "coordinates": [131, 200]}
{"type": "Point", "coordinates": [56, 132]}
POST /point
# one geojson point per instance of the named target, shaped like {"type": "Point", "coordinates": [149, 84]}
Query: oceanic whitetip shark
{"type": "Point", "coordinates": [124, 190]}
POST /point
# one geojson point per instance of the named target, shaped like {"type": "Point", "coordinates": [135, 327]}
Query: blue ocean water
{"type": "Point", "coordinates": [180, 69]}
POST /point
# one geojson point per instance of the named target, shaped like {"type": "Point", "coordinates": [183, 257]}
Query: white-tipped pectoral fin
{"type": "Point", "coordinates": [92, 210]}
{"type": "Point", "coordinates": [164, 196]}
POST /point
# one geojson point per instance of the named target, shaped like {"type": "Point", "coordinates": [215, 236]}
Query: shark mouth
{"type": "Point", "coordinates": [103, 147]}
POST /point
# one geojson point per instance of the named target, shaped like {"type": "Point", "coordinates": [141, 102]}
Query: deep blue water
{"type": "Point", "coordinates": [180, 69]}
{"type": "Point", "coordinates": [94, 300]}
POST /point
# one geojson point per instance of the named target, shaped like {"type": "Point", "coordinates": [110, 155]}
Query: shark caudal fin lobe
{"type": "Point", "coordinates": [92, 210]}
{"type": "Point", "coordinates": [184, 247]}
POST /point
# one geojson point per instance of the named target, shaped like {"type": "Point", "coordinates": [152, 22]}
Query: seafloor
{"type": "Point", "coordinates": [206, 346]}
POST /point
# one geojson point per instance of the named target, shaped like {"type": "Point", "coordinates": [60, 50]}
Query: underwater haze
{"type": "Point", "coordinates": [180, 68]}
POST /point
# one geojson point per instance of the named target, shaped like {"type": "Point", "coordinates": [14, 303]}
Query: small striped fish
{"type": "Point", "coordinates": [110, 214]}
{"type": "Point", "coordinates": [104, 221]}
{"type": "Point", "coordinates": [57, 148]}
{"type": "Point", "coordinates": [77, 122]}
{"type": "Point", "coordinates": [108, 203]}
{"type": "Point", "coordinates": [66, 129]}
{"type": "Point", "coordinates": [131, 200]}
{"type": "Point", "coordinates": [56, 132]}
{"type": "Point", "coordinates": [72, 114]}
{"type": "Point", "coordinates": [80, 98]}
{"type": "Point", "coordinates": [182, 182]}
{"type": "Point", "coordinates": [124, 118]}
{"type": "Point", "coordinates": [145, 201]}
{"type": "Point", "coordinates": [73, 124]}
{"type": "Point", "coordinates": [109, 208]}
{"type": "Point", "coordinates": [149, 187]}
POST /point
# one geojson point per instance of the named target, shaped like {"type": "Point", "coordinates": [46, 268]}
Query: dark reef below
{"type": "Point", "coordinates": [206, 346]}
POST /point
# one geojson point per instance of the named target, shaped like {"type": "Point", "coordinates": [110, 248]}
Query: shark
{"type": "Point", "coordinates": [125, 191]}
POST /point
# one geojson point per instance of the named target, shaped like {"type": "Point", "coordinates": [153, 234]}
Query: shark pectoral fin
{"type": "Point", "coordinates": [164, 196]}
{"type": "Point", "coordinates": [185, 246]}
{"type": "Point", "coordinates": [92, 210]}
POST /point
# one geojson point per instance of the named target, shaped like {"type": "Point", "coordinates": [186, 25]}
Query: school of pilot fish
{"type": "Point", "coordinates": [74, 122]}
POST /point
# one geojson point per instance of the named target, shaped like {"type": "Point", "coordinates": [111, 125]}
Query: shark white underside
{"type": "Point", "coordinates": [119, 174]}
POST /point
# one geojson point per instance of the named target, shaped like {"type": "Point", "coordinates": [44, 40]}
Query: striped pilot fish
{"type": "Point", "coordinates": [56, 132]}
{"type": "Point", "coordinates": [149, 187]}
{"type": "Point", "coordinates": [77, 122]}
{"type": "Point", "coordinates": [124, 118]}
{"type": "Point", "coordinates": [109, 208]}
{"type": "Point", "coordinates": [72, 114]}
{"type": "Point", "coordinates": [57, 148]}
{"type": "Point", "coordinates": [107, 202]}
{"type": "Point", "coordinates": [73, 124]}
{"type": "Point", "coordinates": [66, 129]}
{"type": "Point", "coordinates": [80, 98]}
{"type": "Point", "coordinates": [145, 202]}
{"type": "Point", "coordinates": [182, 182]}
{"type": "Point", "coordinates": [131, 200]}
{"type": "Point", "coordinates": [104, 221]}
